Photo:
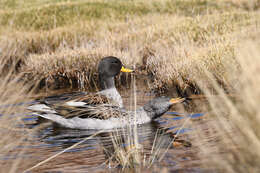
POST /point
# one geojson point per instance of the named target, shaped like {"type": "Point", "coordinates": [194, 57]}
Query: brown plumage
{"type": "Point", "coordinates": [93, 99]}
{"type": "Point", "coordinates": [96, 106]}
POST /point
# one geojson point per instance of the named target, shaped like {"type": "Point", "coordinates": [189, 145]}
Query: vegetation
{"type": "Point", "coordinates": [189, 47]}
{"type": "Point", "coordinates": [57, 39]}
{"type": "Point", "coordinates": [237, 120]}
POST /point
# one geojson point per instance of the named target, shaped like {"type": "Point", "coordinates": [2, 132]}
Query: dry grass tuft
{"type": "Point", "coordinates": [129, 154]}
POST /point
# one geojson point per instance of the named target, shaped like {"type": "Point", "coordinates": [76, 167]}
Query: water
{"type": "Point", "coordinates": [96, 154]}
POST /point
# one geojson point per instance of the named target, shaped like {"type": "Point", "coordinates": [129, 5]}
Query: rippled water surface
{"type": "Point", "coordinates": [96, 154]}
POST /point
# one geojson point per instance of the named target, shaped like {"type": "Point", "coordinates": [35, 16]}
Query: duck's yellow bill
{"type": "Point", "coordinates": [126, 70]}
{"type": "Point", "coordinates": [177, 100]}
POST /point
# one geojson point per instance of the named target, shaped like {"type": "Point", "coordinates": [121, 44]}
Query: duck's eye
{"type": "Point", "coordinates": [114, 62]}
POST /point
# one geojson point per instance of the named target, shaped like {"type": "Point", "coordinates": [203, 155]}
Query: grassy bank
{"type": "Point", "coordinates": [170, 40]}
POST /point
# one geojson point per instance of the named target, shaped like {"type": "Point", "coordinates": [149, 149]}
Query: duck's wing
{"type": "Point", "coordinates": [82, 105]}
{"type": "Point", "coordinates": [101, 111]}
{"type": "Point", "coordinates": [90, 99]}
{"type": "Point", "coordinates": [88, 106]}
{"type": "Point", "coordinates": [76, 98]}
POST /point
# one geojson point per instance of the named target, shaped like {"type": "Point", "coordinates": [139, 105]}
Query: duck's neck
{"type": "Point", "coordinates": [106, 83]}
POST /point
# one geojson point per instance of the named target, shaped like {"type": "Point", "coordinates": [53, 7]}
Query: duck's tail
{"type": "Point", "coordinates": [41, 108]}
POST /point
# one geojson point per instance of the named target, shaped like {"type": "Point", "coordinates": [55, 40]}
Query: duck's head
{"type": "Point", "coordinates": [159, 105]}
{"type": "Point", "coordinates": [108, 68]}
{"type": "Point", "coordinates": [111, 66]}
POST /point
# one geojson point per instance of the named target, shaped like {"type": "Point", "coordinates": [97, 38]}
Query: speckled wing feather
{"type": "Point", "coordinates": [101, 111]}
{"type": "Point", "coordinates": [93, 99]}
{"type": "Point", "coordinates": [96, 106]}
{"type": "Point", "coordinates": [76, 97]}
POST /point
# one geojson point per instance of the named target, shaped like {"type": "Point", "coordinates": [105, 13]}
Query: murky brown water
{"type": "Point", "coordinates": [93, 155]}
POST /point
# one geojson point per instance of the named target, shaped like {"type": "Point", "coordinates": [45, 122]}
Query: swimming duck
{"type": "Point", "coordinates": [106, 116]}
{"type": "Point", "coordinates": [108, 68]}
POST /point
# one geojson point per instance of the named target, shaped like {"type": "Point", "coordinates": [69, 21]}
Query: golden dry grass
{"type": "Point", "coordinates": [192, 46]}
{"type": "Point", "coordinates": [164, 38]}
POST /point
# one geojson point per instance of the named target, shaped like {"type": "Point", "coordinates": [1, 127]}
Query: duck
{"type": "Point", "coordinates": [106, 116]}
{"type": "Point", "coordinates": [108, 68]}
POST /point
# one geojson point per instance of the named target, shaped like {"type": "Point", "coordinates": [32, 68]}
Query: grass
{"type": "Point", "coordinates": [169, 46]}
{"type": "Point", "coordinates": [57, 14]}
{"type": "Point", "coordinates": [237, 119]}
{"type": "Point", "coordinates": [160, 37]}
{"type": "Point", "coordinates": [186, 47]}
{"type": "Point", "coordinates": [13, 93]}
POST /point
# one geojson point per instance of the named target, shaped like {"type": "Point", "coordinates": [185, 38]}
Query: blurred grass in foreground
{"type": "Point", "coordinates": [237, 121]}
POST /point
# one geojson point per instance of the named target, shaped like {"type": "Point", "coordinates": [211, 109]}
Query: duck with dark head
{"type": "Point", "coordinates": [108, 68]}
